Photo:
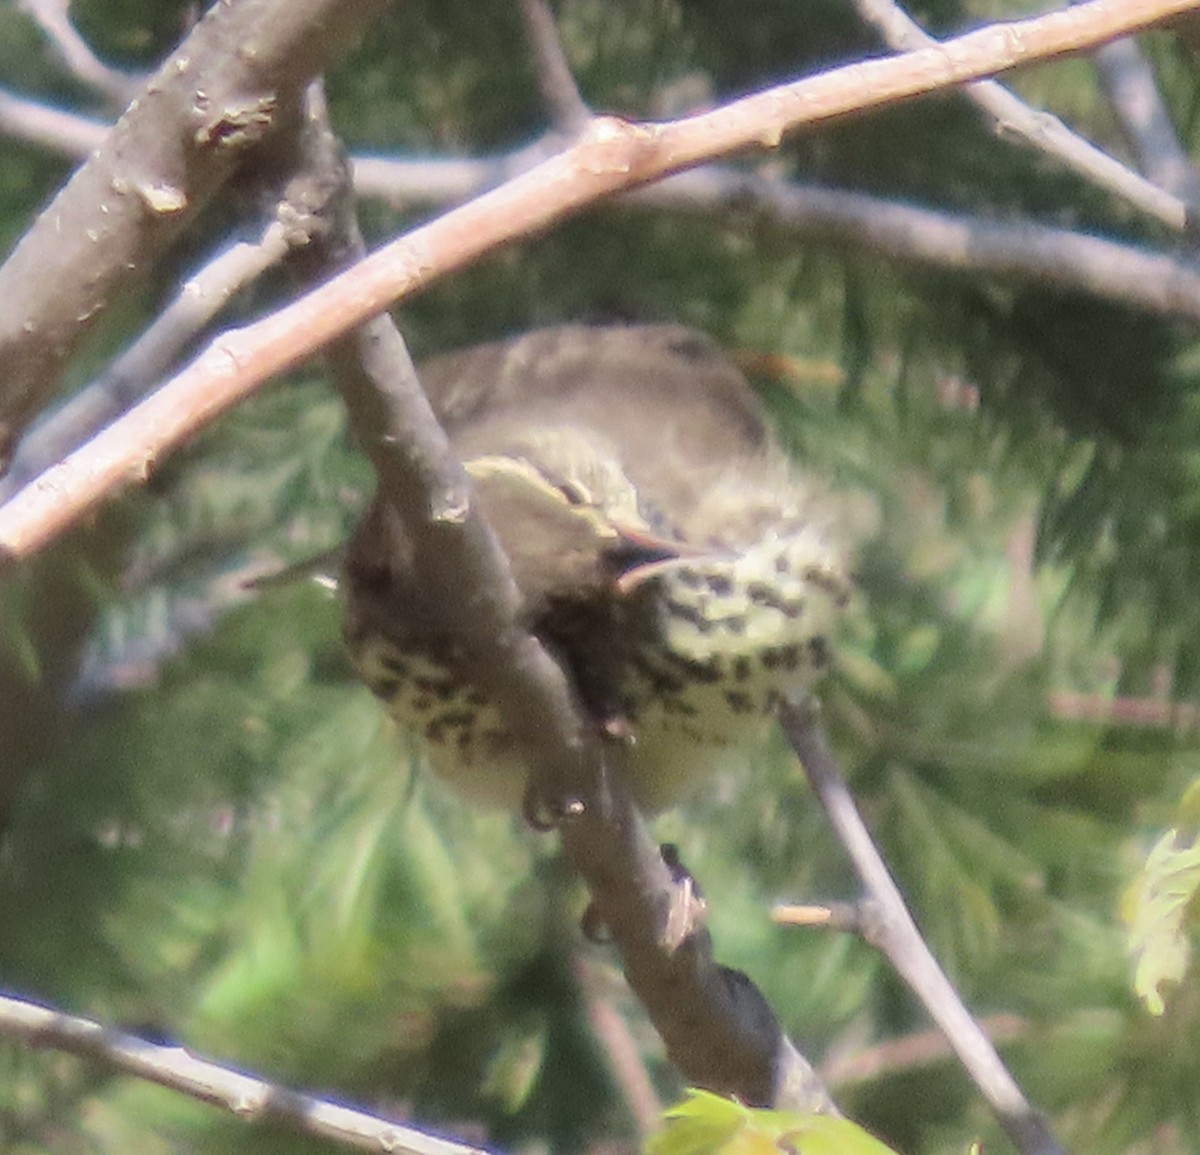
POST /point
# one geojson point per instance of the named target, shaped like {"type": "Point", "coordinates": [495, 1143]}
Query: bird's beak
{"type": "Point", "coordinates": [642, 554]}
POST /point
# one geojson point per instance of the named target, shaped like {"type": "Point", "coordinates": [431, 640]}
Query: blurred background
{"type": "Point", "coordinates": [209, 833]}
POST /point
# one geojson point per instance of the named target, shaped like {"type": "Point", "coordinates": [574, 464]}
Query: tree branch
{"type": "Point", "coordinates": [717, 1027]}
{"type": "Point", "coordinates": [618, 1046]}
{"type": "Point", "coordinates": [568, 110]}
{"type": "Point", "coordinates": [60, 131]}
{"type": "Point", "coordinates": [1143, 278]}
{"type": "Point", "coordinates": [896, 935]}
{"type": "Point", "coordinates": [1132, 91]}
{"type": "Point", "coordinates": [908, 1052]}
{"type": "Point", "coordinates": [612, 156]}
{"type": "Point", "coordinates": [1127, 274]}
{"type": "Point", "coordinates": [200, 299]}
{"type": "Point", "coordinates": [54, 19]}
{"type": "Point", "coordinates": [251, 1099]}
{"type": "Point", "coordinates": [1164, 283]}
{"type": "Point", "coordinates": [195, 122]}
{"type": "Point", "coordinates": [1038, 130]}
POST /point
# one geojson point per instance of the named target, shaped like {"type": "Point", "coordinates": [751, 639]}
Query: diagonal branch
{"type": "Point", "coordinates": [176, 327]}
{"type": "Point", "coordinates": [611, 156]}
{"type": "Point", "coordinates": [908, 1052]}
{"type": "Point", "coordinates": [250, 1098]}
{"type": "Point", "coordinates": [54, 19]}
{"type": "Point", "coordinates": [620, 1049]}
{"type": "Point", "coordinates": [193, 125]}
{"type": "Point", "coordinates": [56, 129]}
{"type": "Point", "coordinates": [896, 935]}
{"type": "Point", "coordinates": [1166, 283]}
{"type": "Point", "coordinates": [568, 109]}
{"type": "Point", "coordinates": [1039, 130]}
{"type": "Point", "coordinates": [1128, 274]}
{"type": "Point", "coordinates": [736, 1045]}
{"type": "Point", "coordinates": [1132, 90]}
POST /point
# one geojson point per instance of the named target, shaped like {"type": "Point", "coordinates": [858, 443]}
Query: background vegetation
{"type": "Point", "coordinates": [210, 835]}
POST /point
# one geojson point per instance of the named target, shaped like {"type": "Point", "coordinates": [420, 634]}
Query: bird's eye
{"type": "Point", "coordinates": [574, 493]}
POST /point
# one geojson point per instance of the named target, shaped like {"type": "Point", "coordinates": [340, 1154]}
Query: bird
{"type": "Point", "coordinates": [681, 568]}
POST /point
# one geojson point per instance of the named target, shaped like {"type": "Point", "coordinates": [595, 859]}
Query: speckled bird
{"type": "Point", "coordinates": [667, 552]}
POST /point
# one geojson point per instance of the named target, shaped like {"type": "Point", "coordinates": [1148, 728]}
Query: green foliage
{"type": "Point", "coordinates": [210, 834]}
{"type": "Point", "coordinates": [1159, 906]}
{"type": "Point", "coordinates": [707, 1124]}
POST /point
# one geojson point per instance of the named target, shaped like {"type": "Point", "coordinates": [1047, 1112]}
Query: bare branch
{"type": "Point", "coordinates": [846, 916]}
{"type": "Point", "coordinates": [434, 180]}
{"type": "Point", "coordinates": [251, 1099]}
{"type": "Point", "coordinates": [1132, 91]}
{"type": "Point", "coordinates": [202, 297]}
{"type": "Point", "coordinates": [718, 1028]}
{"type": "Point", "coordinates": [736, 1045]}
{"type": "Point", "coordinates": [53, 18]}
{"type": "Point", "coordinates": [1157, 282]}
{"type": "Point", "coordinates": [619, 1048]}
{"type": "Point", "coordinates": [1039, 130]}
{"type": "Point", "coordinates": [1164, 283]}
{"type": "Point", "coordinates": [1138, 277]}
{"type": "Point", "coordinates": [194, 123]}
{"type": "Point", "coordinates": [896, 935]}
{"type": "Point", "coordinates": [55, 129]}
{"type": "Point", "coordinates": [568, 110]}
{"type": "Point", "coordinates": [612, 156]}
{"type": "Point", "coordinates": [1157, 713]}
{"type": "Point", "coordinates": [920, 1049]}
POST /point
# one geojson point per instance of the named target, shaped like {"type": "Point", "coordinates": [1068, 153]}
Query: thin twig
{"type": "Point", "coordinates": [619, 1048]}
{"type": "Point", "coordinates": [1152, 281]}
{"type": "Point", "coordinates": [144, 363]}
{"type": "Point", "coordinates": [1039, 130]}
{"type": "Point", "coordinates": [1167, 284]}
{"type": "Point", "coordinates": [1128, 274]}
{"type": "Point", "coordinates": [1132, 90]}
{"type": "Point", "coordinates": [568, 110]}
{"type": "Point", "coordinates": [251, 1099]}
{"type": "Point", "coordinates": [907, 1052]}
{"type": "Point", "coordinates": [56, 129]}
{"type": "Point", "coordinates": [845, 916]}
{"type": "Point", "coordinates": [54, 19]}
{"type": "Point", "coordinates": [894, 932]}
{"type": "Point", "coordinates": [611, 156]}
{"type": "Point", "coordinates": [1118, 710]}
{"type": "Point", "coordinates": [239, 74]}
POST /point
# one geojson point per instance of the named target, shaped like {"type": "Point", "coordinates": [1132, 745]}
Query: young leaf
{"type": "Point", "coordinates": [708, 1124]}
{"type": "Point", "coordinates": [1156, 908]}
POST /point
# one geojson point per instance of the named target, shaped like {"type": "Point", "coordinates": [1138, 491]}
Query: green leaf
{"type": "Point", "coordinates": [1157, 910]}
{"type": "Point", "coordinates": [708, 1124]}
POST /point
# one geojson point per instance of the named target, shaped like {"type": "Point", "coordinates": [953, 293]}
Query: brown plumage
{"type": "Point", "coordinates": [664, 547]}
